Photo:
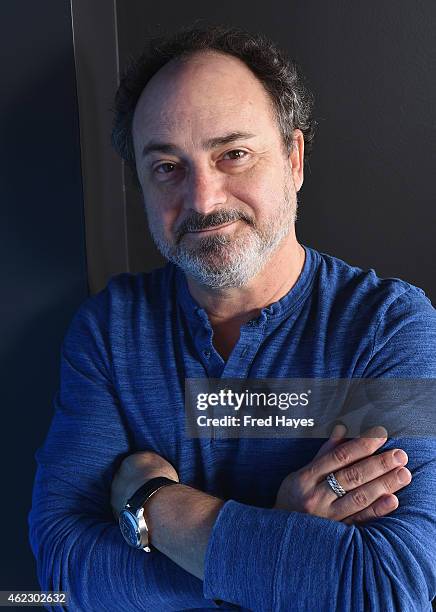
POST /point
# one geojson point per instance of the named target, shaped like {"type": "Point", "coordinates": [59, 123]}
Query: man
{"type": "Point", "coordinates": [214, 123]}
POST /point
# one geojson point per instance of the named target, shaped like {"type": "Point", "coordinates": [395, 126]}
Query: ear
{"type": "Point", "coordinates": [296, 159]}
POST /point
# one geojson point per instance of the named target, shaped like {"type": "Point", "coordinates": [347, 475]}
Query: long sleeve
{"type": "Point", "coordinates": [272, 560]}
{"type": "Point", "coordinates": [75, 539]}
{"type": "Point", "coordinates": [266, 559]}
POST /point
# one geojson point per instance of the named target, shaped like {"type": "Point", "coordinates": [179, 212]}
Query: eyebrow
{"type": "Point", "coordinates": [207, 145]}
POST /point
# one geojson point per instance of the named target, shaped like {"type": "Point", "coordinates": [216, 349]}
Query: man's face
{"type": "Point", "coordinates": [219, 189]}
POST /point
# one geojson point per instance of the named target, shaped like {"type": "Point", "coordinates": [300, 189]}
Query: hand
{"type": "Point", "coordinates": [134, 471]}
{"type": "Point", "coordinates": [370, 480]}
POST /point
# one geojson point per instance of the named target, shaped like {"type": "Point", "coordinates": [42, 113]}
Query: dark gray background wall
{"type": "Point", "coordinates": [368, 195]}
{"type": "Point", "coordinates": [42, 249]}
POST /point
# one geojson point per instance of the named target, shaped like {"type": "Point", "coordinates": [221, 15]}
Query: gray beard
{"type": "Point", "coordinates": [223, 261]}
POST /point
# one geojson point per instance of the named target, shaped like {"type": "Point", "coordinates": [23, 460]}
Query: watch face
{"type": "Point", "coordinates": [129, 528]}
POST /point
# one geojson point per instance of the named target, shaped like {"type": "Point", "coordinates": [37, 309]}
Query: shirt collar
{"type": "Point", "coordinates": [275, 311]}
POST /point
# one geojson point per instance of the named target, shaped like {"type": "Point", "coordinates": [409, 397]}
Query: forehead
{"type": "Point", "coordinates": [200, 97]}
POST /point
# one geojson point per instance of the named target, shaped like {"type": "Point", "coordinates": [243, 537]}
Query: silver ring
{"type": "Point", "coordinates": [335, 486]}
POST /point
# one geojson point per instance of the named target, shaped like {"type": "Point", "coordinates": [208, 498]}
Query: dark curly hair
{"type": "Point", "coordinates": [292, 101]}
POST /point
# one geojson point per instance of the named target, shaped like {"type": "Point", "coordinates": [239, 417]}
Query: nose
{"type": "Point", "coordinates": [205, 190]}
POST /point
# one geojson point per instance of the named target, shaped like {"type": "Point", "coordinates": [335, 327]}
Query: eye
{"type": "Point", "coordinates": [236, 154]}
{"type": "Point", "coordinates": [165, 168]}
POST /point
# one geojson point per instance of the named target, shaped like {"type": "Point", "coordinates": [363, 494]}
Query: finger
{"type": "Point", "coordinates": [364, 496]}
{"type": "Point", "coordinates": [382, 506]}
{"type": "Point", "coordinates": [364, 471]}
{"type": "Point", "coordinates": [336, 437]}
{"type": "Point", "coordinates": [348, 452]}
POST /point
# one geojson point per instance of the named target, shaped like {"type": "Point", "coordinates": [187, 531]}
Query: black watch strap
{"type": "Point", "coordinates": [139, 498]}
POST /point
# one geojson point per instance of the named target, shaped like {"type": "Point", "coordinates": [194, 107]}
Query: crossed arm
{"type": "Point", "coordinates": [180, 518]}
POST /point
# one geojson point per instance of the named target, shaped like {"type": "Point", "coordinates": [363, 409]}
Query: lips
{"type": "Point", "coordinates": [211, 229]}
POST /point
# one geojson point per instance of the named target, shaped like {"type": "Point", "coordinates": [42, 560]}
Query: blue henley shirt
{"type": "Point", "coordinates": [124, 361]}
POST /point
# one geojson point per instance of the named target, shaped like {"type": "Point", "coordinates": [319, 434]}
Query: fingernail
{"type": "Point", "coordinates": [404, 476]}
{"type": "Point", "coordinates": [400, 457]}
{"type": "Point", "coordinates": [378, 432]}
{"type": "Point", "coordinates": [339, 431]}
{"type": "Point", "coordinates": [390, 502]}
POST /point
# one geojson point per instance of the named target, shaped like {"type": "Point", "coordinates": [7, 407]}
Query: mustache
{"type": "Point", "coordinates": [197, 221]}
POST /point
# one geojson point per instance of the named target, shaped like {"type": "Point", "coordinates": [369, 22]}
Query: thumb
{"type": "Point", "coordinates": [336, 437]}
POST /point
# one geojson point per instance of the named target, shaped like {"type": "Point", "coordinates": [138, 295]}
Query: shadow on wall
{"type": "Point", "coordinates": [44, 275]}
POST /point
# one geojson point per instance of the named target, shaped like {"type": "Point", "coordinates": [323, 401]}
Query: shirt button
{"type": "Point", "coordinates": [206, 353]}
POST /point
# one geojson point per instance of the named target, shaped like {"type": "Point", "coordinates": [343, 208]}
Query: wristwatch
{"type": "Point", "coordinates": [132, 521]}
